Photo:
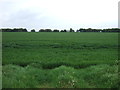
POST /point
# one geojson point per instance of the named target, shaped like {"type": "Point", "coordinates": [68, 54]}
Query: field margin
{"type": "Point", "coordinates": [0, 60]}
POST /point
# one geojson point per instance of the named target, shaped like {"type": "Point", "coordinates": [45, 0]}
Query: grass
{"type": "Point", "coordinates": [60, 60]}
{"type": "Point", "coordinates": [0, 60]}
{"type": "Point", "coordinates": [61, 77]}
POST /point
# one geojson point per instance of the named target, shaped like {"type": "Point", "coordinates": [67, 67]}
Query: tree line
{"type": "Point", "coordinates": [14, 30]}
{"type": "Point", "coordinates": [56, 30]}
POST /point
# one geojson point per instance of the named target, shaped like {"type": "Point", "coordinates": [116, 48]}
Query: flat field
{"type": "Point", "coordinates": [60, 60]}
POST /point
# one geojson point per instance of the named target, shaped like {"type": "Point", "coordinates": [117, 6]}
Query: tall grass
{"type": "Point", "coordinates": [61, 60]}
{"type": "Point", "coordinates": [100, 76]}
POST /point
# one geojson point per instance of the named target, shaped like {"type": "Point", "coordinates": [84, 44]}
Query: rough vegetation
{"type": "Point", "coordinates": [60, 60]}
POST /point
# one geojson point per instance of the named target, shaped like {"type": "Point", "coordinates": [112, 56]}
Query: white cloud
{"type": "Point", "coordinates": [59, 13]}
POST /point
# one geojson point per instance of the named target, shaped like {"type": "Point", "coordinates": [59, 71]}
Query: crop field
{"type": "Point", "coordinates": [59, 60]}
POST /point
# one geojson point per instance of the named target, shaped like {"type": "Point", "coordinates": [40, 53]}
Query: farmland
{"type": "Point", "coordinates": [59, 60]}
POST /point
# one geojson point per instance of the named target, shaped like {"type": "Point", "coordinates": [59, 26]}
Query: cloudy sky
{"type": "Point", "coordinates": [58, 14]}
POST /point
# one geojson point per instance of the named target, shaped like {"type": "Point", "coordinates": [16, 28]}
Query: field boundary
{"type": "Point", "coordinates": [0, 60]}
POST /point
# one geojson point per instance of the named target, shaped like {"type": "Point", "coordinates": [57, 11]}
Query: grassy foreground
{"type": "Point", "coordinates": [60, 60]}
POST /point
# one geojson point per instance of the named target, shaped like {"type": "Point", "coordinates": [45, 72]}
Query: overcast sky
{"type": "Point", "coordinates": [58, 14]}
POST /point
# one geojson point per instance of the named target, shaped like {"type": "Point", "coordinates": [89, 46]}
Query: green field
{"type": "Point", "coordinates": [60, 60]}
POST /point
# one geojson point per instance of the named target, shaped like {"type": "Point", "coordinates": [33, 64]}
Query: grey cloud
{"type": "Point", "coordinates": [19, 13]}
{"type": "Point", "coordinates": [29, 19]}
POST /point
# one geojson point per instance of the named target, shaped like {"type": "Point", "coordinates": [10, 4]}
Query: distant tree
{"type": "Point", "coordinates": [19, 30]}
{"type": "Point", "coordinates": [33, 30]}
{"type": "Point", "coordinates": [6, 30]}
{"type": "Point", "coordinates": [48, 30]}
{"type": "Point", "coordinates": [41, 30]}
{"type": "Point", "coordinates": [14, 30]}
{"type": "Point", "coordinates": [55, 30]}
{"type": "Point", "coordinates": [99, 30]}
{"type": "Point", "coordinates": [77, 31]}
{"type": "Point", "coordinates": [81, 30]}
{"type": "Point", "coordinates": [89, 30]}
{"type": "Point", "coordinates": [71, 30]}
{"type": "Point", "coordinates": [64, 30]}
{"type": "Point", "coordinates": [116, 29]}
{"type": "Point", "coordinates": [24, 30]}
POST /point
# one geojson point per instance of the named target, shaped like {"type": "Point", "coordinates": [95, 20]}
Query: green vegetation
{"type": "Point", "coordinates": [55, 30]}
{"type": "Point", "coordinates": [60, 60]}
{"type": "Point", "coordinates": [0, 60]}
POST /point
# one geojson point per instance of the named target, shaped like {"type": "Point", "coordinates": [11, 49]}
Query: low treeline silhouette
{"type": "Point", "coordinates": [14, 30]}
{"type": "Point", "coordinates": [56, 30]}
